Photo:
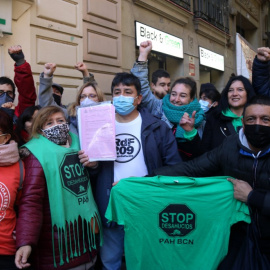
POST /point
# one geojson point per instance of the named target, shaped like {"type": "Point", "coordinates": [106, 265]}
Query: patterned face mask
{"type": "Point", "coordinates": [57, 134]}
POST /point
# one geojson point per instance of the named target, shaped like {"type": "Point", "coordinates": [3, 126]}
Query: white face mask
{"type": "Point", "coordinates": [204, 105]}
{"type": "Point", "coordinates": [87, 102]}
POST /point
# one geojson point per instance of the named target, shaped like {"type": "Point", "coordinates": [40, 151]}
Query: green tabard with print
{"type": "Point", "coordinates": [70, 194]}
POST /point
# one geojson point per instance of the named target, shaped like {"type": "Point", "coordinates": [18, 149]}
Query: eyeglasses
{"type": "Point", "coordinates": [91, 96]}
{"type": "Point", "coordinates": [3, 134]}
{"type": "Point", "coordinates": [9, 93]}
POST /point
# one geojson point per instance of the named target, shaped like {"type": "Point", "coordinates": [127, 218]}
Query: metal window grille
{"type": "Point", "coordinates": [182, 3]}
{"type": "Point", "coordinates": [216, 12]}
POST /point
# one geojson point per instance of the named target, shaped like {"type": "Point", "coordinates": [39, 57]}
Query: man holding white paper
{"type": "Point", "coordinates": [143, 143]}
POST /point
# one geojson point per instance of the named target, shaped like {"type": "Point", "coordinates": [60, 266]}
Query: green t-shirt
{"type": "Point", "coordinates": [176, 223]}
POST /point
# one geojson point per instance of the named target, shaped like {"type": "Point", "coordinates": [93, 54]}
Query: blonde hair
{"type": "Point", "coordinates": [41, 118]}
{"type": "Point", "coordinates": [100, 96]}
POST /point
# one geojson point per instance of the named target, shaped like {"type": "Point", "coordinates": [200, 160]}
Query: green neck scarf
{"type": "Point", "coordinates": [236, 120]}
{"type": "Point", "coordinates": [175, 113]}
{"type": "Point", "coordinates": [70, 195]}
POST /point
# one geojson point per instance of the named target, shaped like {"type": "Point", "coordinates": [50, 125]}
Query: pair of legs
{"type": "Point", "coordinates": [112, 250]}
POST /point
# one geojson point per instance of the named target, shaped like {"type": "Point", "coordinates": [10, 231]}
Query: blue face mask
{"type": "Point", "coordinates": [4, 98]}
{"type": "Point", "coordinates": [123, 105]}
{"type": "Point", "coordinates": [204, 105]}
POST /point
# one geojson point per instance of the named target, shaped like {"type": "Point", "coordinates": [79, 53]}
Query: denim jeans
{"type": "Point", "coordinates": [112, 250]}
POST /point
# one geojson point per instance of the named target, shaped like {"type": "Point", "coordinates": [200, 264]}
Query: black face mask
{"type": "Point", "coordinates": [5, 98]}
{"type": "Point", "coordinates": [258, 135]}
{"type": "Point", "coordinates": [57, 99]}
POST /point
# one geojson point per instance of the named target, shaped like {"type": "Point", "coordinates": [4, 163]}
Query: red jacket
{"type": "Point", "coordinates": [26, 87]}
{"type": "Point", "coordinates": [9, 185]}
{"type": "Point", "coordinates": [34, 222]}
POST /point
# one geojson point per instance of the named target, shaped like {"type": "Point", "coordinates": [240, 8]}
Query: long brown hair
{"type": "Point", "coordinates": [100, 95]}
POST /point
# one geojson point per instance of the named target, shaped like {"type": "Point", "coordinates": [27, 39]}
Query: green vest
{"type": "Point", "coordinates": [70, 193]}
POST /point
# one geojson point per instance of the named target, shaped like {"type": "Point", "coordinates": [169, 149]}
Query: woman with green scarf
{"type": "Point", "coordinates": [227, 118]}
{"type": "Point", "coordinates": [180, 101]}
{"type": "Point", "coordinates": [58, 218]}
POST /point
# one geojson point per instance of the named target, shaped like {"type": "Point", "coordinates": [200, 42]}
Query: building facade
{"type": "Point", "coordinates": [102, 33]}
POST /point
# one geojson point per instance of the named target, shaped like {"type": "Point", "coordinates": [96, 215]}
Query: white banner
{"type": "Point", "coordinates": [161, 41]}
{"type": "Point", "coordinates": [244, 57]}
{"type": "Point", "coordinates": [211, 59]}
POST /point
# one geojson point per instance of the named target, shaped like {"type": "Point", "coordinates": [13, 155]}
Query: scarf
{"type": "Point", "coordinates": [70, 195]}
{"type": "Point", "coordinates": [175, 113]}
{"type": "Point", "coordinates": [9, 154]}
{"type": "Point", "coordinates": [236, 120]}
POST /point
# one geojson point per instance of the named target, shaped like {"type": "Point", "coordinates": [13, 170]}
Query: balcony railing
{"type": "Point", "coordinates": [182, 3]}
{"type": "Point", "coordinates": [216, 12]}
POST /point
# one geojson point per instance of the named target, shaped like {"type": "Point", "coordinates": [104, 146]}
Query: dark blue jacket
{"type": "Point", "coordinates": [159, 149]}
{"type": "Point", "coordinates": [261, 77]}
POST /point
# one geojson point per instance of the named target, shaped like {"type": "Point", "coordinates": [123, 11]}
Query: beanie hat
{"type": "Point", "coordinates": [205, 86]}
{"type": "Point", "coordinates": [58, 87]}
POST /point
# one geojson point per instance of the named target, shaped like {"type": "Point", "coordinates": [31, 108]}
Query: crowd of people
{"type": "Point", "coordinates": [54, 200]}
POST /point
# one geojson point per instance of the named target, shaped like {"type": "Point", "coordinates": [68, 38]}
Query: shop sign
{"type": "Point", "coordinates": [162, 42]}
{"type": "Point", "coordinates": [5, 16]}
{"type": "Point", "coordinates": [211, 59]}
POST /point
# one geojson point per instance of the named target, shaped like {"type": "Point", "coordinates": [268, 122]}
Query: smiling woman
{"type": "Point", "coordinates": [183, 91]}
{"type": "Point", "coordinates": [227, 118]}
{"type": "Point", "coordinates": [179, 102]}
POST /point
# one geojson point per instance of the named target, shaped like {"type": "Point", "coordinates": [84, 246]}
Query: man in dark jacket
{"type": "Point", "coordinates": [143, 143]}
{"type": "Point", "coordinates": [261, 71]}
{"type": "Point", "coordinates": [244, 156]}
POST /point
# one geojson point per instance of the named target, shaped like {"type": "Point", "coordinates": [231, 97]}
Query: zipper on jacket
{"type": "Point", "coordinates": [255, 165]}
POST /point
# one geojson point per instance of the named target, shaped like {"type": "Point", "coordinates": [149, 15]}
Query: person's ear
{"type": "Point", "coordinates": [215, 104]}
{"type": "Point", "coordinates": [139, 99]}
{"type": "Point", "coordinates": [6, 138]}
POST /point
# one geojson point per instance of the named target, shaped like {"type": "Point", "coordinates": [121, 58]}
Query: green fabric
{"type": "Point", "coordinates": [189, 135]}
{"type": "Point", "coordinates": [236, 120]}
{"type": "Point", "coordinates": [70, 194]}
{"type": "Point", "coordinates": [175, 222]}
{"type": "Point", "coordinates": [175, 113]}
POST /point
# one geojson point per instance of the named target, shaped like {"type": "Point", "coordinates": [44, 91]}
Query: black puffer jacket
{"type": "Point", "coordinates": [217, 128]}
{"type": "Point", "coordinates": [233, 159]}
{"type": "Point", "coordinates": [261, 77]}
